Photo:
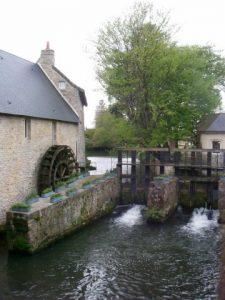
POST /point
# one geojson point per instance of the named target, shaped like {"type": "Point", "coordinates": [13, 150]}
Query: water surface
{"type": "Point", "coordinates": [121, 257]}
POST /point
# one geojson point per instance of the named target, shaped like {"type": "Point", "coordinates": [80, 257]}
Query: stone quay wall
{"type": "Point", "coordinates": [162, 199]}
{"type": "Point", "coordinates": [30, 232]}
{"type": "Point", "coordinates": [221, 200]}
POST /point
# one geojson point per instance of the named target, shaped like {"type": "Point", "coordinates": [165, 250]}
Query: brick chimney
{"type": "Point", "coordinates": [47, 56]}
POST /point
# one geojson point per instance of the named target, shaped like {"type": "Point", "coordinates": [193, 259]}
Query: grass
{"type": "Point", "coordinates": [56, 196]}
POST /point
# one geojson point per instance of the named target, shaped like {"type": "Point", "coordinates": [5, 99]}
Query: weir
{"type": "Point", "coordinates": [199, 172]}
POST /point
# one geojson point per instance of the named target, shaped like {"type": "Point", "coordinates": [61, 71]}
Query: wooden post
{"type": "Point", "coordinates": [192, 188]}
{"type": "Point", "coordinates": [209, 194]}
{"type": "Point", "coordinates": [147, 171]}
{"type": "Point", "coordinates": [119, 174]}
{"type": "Point", "coordinates": [209, 163]}
{"type": "Point", "coordinates": [161, 159]}
{"type": "Point", "coordinates": [193, 163]}
{"type": "Point", "coordinates": [177, 157]}
{"type": "Point", "coordinates": [133, 174]}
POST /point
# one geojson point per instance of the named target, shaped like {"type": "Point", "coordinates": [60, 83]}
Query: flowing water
{"type": "Point", "coordinates": [121, 257]}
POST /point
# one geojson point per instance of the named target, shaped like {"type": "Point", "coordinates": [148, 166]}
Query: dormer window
{"type": "Point", "coordinates": [62, 85]}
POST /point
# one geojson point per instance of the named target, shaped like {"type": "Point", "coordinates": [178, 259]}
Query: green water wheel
{"type": "Point", "coordinates": [57, 164]}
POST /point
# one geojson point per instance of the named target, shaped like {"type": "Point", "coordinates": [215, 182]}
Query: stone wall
{"type": "Point", "coordinates": [162, 199]}
{"type": "Point", "coordinates": [20, 156]}
{"type": "Point", "coordinates": [71, 95]}
{"type": "Point", "coordinates": [221, 200]}
{"type": "Point", "coordinates": [29, 232]}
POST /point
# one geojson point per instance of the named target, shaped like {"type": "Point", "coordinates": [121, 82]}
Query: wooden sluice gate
{"type": "Point", "coordinates": [137, 167]}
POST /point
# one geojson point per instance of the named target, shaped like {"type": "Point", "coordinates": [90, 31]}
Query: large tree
{"type": "Point", "coordinates": [161, 88]}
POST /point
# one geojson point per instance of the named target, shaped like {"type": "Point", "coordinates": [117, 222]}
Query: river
{"type": "Point", "coordinates": [122, 257]}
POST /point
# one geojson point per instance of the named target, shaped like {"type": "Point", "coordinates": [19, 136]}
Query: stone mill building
{"type": "Point", "coordinates": [41, 126]}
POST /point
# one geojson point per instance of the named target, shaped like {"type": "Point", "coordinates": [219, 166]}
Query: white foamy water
{"type": "Point", "coordinates": [131, 217]}
{"type": "Point", "coordinates": [200, 222]}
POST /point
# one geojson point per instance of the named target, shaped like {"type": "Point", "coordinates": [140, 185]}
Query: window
{"type": "Point", "coordinates": [54, 132]}
{"type": "Point", "coordinates": [216, 145]}
{"type": "Point", "coordinates": [62, 85]}
{"type": "Point", "coordinates": [27, 128]}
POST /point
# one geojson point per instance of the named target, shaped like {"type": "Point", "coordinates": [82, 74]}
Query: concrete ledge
{"type": "Point", "coordinates": [30, 232]}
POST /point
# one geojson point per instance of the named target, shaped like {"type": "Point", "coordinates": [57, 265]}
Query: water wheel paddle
{"type": "Point", "coordinates": [57, 164]}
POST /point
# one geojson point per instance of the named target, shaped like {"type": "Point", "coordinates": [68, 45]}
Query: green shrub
{"type": "Point", "coordinates": [59, 184]}
{"type": "Point", "coordinates": [69, 191]}
{"type": "Point", "coordinates": [154, 214]}
{"type": "Point", "coordinates": [21, 244]}
{"type": "Point", "coordinates": [57, 195]}
{"type": "Point", "coordinates": [21, 205]}
{"type": "Point", "coordinates": [87, 182]}
{"type": "Point", "coordinates": [74, 175]}
{"type": "Point", "coordinates": [47, 190]}
{"type": "Point", "coordinates": [32, 195]}
{"type": "Point", "coordinates": [70, 180]}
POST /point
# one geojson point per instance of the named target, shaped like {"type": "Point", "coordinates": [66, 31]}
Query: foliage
{"type": "Point", "coordinates": [70, 191]}
{"type": "Point", "coordinates": [21, 205]}
{"type": "Point", "coordinates": [21, 244]}
{"type": "Point", "coordinates": [57, 195]}
{"type": "Point", "coordinates": [111, 131]}
{"type": "Point", "coordinates": [32, 195]}
{"type": "Point", "coordinates": [155, 86]}
{"type": "Point", "coordinates": [47, 190]}
{"type": "Point", "coordinates": [70, 180]}
{"type": "Point", "coordinates": [87, 182]}
{"type": "Point", "coordinates": [59, 184]}
{"type": "Point", "coordinates": [155, 214]}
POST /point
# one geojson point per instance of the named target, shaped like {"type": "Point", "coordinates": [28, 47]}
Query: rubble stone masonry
{"type": "Point", "coordinates": [20, 156]}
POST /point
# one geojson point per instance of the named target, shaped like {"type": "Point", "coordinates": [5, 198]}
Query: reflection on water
{"type": "Point", "coordinates": [120, 257]}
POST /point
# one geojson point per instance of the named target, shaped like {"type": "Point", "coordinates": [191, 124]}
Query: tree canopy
{"type": "Point", "coordinates": [157, 86]}
{"type": "Point", "coordinates": [110, 131]}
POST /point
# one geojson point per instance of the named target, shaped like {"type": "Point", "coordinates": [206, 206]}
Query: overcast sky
{"type": "Point", "coordinates": [72, 25]}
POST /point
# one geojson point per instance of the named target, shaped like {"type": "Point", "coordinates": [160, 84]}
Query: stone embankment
{"type": "Point", "coordinates": [221, 200]}
{"type": "Point", "coordinates": [47, 222]}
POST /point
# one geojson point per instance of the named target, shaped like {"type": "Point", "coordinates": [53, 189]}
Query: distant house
{"type": "Point", "coordinates": [41, 126]}
{"type": "Point", "coordinates": [211, 131]}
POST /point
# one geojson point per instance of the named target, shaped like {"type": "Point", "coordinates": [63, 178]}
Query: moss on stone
{"type": "Point", "coordinates": [20, 225]}
{"type": "Point", "coordinates": [155, 215]}
{"type": "Point", "coordinates": [21, 244]}
{"type": "Point", "coordinates": [197, 200]}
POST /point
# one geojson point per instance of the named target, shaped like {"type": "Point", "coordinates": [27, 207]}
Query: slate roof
{"type": "Point", "coordinates": [214, 123]}
{"type": "Point", "coordinates": [26, 91]}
